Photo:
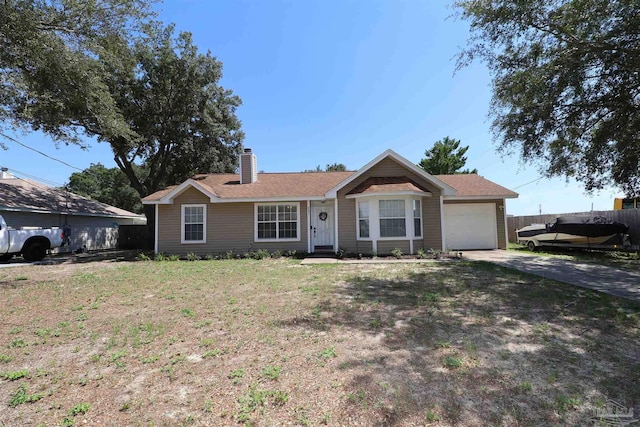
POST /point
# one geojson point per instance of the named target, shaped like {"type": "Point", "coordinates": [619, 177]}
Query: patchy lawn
{"type": "Point", "coordinates": [276, 343]}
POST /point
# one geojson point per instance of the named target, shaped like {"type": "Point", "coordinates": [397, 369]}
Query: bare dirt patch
{"type": "Point", "coordinates": [275, 343]}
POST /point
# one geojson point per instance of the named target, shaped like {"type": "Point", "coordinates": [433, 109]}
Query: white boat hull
{"type": "Point", "coordinates": [543, 238]}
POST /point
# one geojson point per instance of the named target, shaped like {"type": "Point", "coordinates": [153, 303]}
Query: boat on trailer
{"type": "Point", "coordinates": [590, 232]}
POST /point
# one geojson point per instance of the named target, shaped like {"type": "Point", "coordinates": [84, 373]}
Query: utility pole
{"type": "Point", "coordinates": [540, 209]}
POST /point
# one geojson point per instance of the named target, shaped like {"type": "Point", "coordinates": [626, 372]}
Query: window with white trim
{"type": "Point", "coordinates": [417, 218]}
{"type": "Point", "coordinates": [194, 227]}
{"type": "Point", "coordinates": [363, 219]}
{"type": "Point", "coordinates": [277, 222]}
{"type": "Point", "coordinates": [392, 218]}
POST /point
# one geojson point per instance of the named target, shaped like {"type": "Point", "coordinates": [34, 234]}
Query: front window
{"type": "Point", "coordinates": [417, 218]}
{"type": "Point", "coordinates": [392, 218]}
{"type": "Point", "coordinates": [363, 218]}
{"type": "Point", "coordinates": [193, 223]}
{"type": "Point", "coordinates": [277, 222]}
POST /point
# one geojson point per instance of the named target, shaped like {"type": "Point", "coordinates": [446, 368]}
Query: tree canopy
{"type": "Point", "coordinates": [566, 87]}
{"type": "Point", "coordinates": [333, 167]}
{"type": "Point", "coordinates": [170, 96]}
{"type": "Point", "coordinates": [446, 157]}
{"type": "Point", "coordinates": [336, 167]}
{"type": "Point", "coordinates": [105, 69]}
{"type": "Point", "coordinates": [106, 185]}
{"type": "Point", "coordinates": [49, 75]}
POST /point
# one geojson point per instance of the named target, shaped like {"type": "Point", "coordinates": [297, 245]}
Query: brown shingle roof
{"type": "Point", "coordinates": [268, 185]}
{"type": "Point", "coordinates": [25, 195]}
{"type": "Point", "coordinates": [316, 184]}
{"type": "Point", "coordinates": [472, 185]}
{"type": "Point", "coordinates": [387, 185]}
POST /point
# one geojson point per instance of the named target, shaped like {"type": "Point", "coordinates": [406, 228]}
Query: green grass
{"type": "Point", "coordinates": [79, 409]}
{"type": "Point", "coordinates": [17, 343]}
{"type": "Point", "coordinates": [14, 375]}
{"type": "Point", "coordinates": [328, 353]}
{"type": "Point", "coordinates": [212, 353]}
{"type": "Point", "coordinates": [22, 396]}
{"type": "Point", "coordinates": [452, 362]}
{"type": "Point", "coordinates": [271, 372]}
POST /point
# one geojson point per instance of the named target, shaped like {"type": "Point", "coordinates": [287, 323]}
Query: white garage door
{"type": "Point", "coordinates": [470, 226]}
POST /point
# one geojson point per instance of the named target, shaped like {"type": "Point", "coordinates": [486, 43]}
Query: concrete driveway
{"type": "Point", "coordinates": [610, 280]}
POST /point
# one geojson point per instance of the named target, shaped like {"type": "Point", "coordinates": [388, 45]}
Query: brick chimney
{"type": "Point", "coordinates": [248, 167]}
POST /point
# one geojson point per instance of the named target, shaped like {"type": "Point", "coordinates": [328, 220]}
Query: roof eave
{"type": "Point", "coordinates": [70, 213]}
{"type": "Point", "coordinates": [482, 197]}
{"type": "Point", "coordinates": [249, 199]}
{"type": "Point", "coordinates": [389, 194]}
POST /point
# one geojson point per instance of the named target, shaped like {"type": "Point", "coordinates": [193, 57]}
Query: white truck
{"type": "Point", "coordinates": [32, 242]}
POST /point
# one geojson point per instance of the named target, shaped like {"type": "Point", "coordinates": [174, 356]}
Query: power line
{"type": "Point", "coordinates": [478, 157]}
{"type": "Point", "coordinates": [32, 183]}
{"type": "Point", "coordinates": [527, 183]}
{"type": "Point", "coordinates": [65, 193]}
{"type": "Point", "coordinates": [43, 180]}
{"type": "Point", "coordinates": [40, 152]}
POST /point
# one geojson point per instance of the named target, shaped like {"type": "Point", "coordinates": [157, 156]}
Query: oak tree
{"type": "Point", "coordinates": [106, 185]}
{"type": "Point", "coordinates": [49, 75]}
{"type": "Point", "coordinates": [566, 87]}
{"type": "Point", "coordinates": [105, 69]}
{"type": "Point", "coordinates": [184, 120]}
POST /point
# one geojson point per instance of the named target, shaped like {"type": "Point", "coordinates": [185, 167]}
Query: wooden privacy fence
{"type": "Point", "coordinates": [135, 237]}
{"type": "Point", "coordinates": [631, 217]}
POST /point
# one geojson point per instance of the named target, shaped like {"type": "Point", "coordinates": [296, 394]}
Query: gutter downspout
{"type": "Point", "coordinates": [444, 243]}
{"type": "Point", "coordinates": [506, 230]}
{"type": "Point", "coordinates": [335, 225]}
{"type": "Point", "coordinates": [308, 226]}
{"type": "Point", "coordinates": [155, 232]}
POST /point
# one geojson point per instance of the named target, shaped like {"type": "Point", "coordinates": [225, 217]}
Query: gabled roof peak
{"type": "Point", "coordinates": [389, 153]}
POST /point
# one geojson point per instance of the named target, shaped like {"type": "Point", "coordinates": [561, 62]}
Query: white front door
{"type": "Point", "coordinates": [322, 225]}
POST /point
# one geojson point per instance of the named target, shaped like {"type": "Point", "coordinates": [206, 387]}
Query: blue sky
{"type": "Point", "coordinates": [326, 81]}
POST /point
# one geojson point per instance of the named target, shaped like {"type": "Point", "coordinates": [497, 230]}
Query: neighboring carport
{"type": "Point", "coordinates": [610, 280]}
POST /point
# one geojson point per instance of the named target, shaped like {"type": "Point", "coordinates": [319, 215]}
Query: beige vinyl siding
{"type": "Point", "coordinates": [364, 247]}
{"type": "Point", "coordinates": [347, 224]}
{"type": "Point", "coordinates": [431, 224]}
{"type": "Point", "coordinates": [499, 206]}
{"type": "Point", "coordinates": [230, 227]}
{"type": "Point", "coordinates": [169, 223]}
{"type": "Point", "coordinates": [417, 245]}
{"type": "Point", "coordinates": [386, 246]}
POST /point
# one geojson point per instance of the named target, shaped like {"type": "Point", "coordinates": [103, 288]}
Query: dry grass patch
{"type": "Point", "coordinates": [276, 343]}
{"type": "Point", "coordinates": [617, 259]}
